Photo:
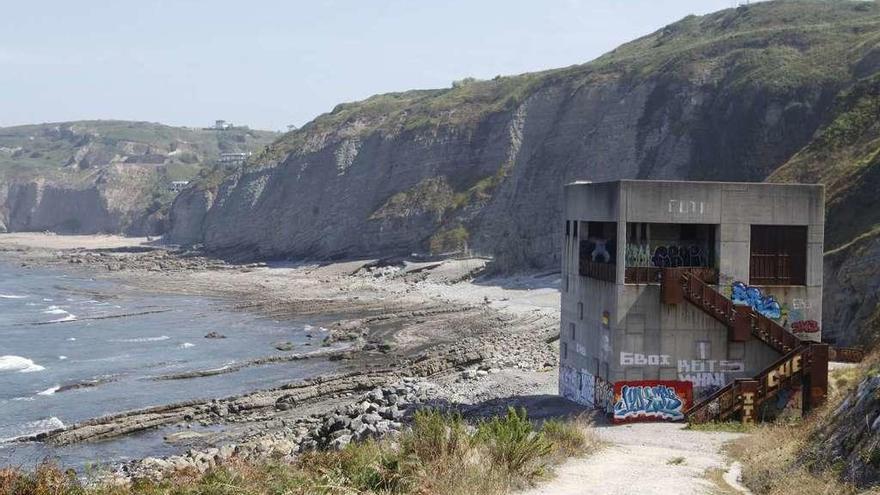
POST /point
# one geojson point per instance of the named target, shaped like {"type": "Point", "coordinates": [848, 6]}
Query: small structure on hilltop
{"type": "Point", "coordinates": [693, 300]}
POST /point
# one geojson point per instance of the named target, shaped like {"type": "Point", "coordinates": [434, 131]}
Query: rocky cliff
{"type": "Point", "coordinates": [729, 96]}
{"type": "Point", "coordinates": [104, 176]}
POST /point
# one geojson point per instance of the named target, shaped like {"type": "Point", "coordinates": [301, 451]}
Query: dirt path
{"type": "Point", "coordinates": [646, 458]}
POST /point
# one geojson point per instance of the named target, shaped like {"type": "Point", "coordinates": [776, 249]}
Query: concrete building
{"type": "Point", "coordinates": [686, 287]}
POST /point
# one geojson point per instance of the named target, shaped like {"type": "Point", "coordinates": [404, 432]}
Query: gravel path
{"type": "Point", "coordinates": [644, 458]}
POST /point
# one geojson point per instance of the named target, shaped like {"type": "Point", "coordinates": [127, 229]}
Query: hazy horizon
{"type": "Point", "coordinates": [189, 63]}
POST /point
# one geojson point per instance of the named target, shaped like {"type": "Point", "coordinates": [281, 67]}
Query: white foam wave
{"type": "Point", "coordinates": [12, 432]}
{"type": "Point", "coordinates": [11, 296]}
{"type": "Point", "coordinates": [69, 317]}
{"type": "Point", "coordinates": [186, 345]}
{"type": "Point", "coordinates": [19, 364]}
{"type": "Point", "coordinates": [71, 339]}
{"type": "Point", "coordinates": [50, 390]}
{"type": "Point", "coordinates": [55, 310]}
{"type": "Point", "coordinates": [143, 339]}
{"type": "Point", "coordinates": [62, 358]}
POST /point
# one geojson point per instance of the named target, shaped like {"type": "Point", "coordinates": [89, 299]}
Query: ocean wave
{"type": "Point", "coordinates": [186, 345]}
{"type": "Point", "coordinates": [55, 310]}
{"type": "Point", "coordinates": [69, 317]}
{"type": "Point", "coordinates": [11, 296]}
{"type": "Point", "coordinates": [9, 433]}
{"type": "Point", "coordinates": [142, 339]}
{"type": "Point", "coordinates": [50, 391]}
{"type": "Point", "coordinates": [19, 364]}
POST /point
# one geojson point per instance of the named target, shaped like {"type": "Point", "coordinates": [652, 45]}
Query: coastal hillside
{"type": "Point", "coordinates": [104, 176]}
{"type": "Point", "coordinates": [727, 96]}
{"type": "Point", "coordinates": [844, 156]}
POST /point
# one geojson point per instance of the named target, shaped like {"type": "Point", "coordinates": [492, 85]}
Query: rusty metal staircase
{"type": "Point", "coordinates": [803, 364]}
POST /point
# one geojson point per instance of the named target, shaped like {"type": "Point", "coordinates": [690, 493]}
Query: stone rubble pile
{"type": "Point", "coordinates": [381, 412]}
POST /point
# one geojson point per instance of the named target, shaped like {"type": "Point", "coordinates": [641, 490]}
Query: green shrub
{"type": "Point", "coordinates": [436, 435]}
{"type": "Point", "coordinates": [512, 443]}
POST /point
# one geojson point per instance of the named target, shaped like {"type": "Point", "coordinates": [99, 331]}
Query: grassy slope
{"type": "Point", "coordinates": [439, 456]}
{"type": "Point", "coordinates": [789, 458]}
{"type": "Point", "coordinates": [783, 44]}
{"type": "Point", "coordinates": [45, 149]}
{"type": "Point", "coordinates": [845, 156]}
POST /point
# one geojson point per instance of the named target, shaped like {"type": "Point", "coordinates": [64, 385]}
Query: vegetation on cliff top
{"type": "Point", "coordinates": [440, 455]}
{"type": "Point", "coordinates": [74, 149]}
{"type": "Point", "coordinates": [778, 46]}
{"type": "Point", "coordinates": [845, 156]}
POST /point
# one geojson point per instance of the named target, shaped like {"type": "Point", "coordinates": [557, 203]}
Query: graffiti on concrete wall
{"type": "Point", "coordinates": [598, 250]}
{"type": "Point", "coordinates": [764, 304]}
{"type": "Point", "coordinates": [651, 400]}
{"type": "Point", "coordinates": [577, 385]}
{"type": "Point", "coordinates": [666, 256]}
{"type": "Point", "coordinates": [636, 359]}
{"type": "Point", "coordinates": [603, 395]}
{"type": "Point", "coordinates": [805, 326]}
{"type": "Point", "coordinates": [708, 373]}
{"type": "Point", "coordinates": [798, 320]}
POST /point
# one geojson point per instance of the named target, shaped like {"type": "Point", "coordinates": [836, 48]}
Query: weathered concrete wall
{"type": "Point", "coordinates": [653, 341]}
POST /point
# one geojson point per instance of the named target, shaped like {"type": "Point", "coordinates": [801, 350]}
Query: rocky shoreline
{"type": "Point", "coordinates": [414, 333]}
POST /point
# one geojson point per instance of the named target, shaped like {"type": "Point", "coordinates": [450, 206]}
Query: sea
{"type": "Point", "coordinates": [74, 348]}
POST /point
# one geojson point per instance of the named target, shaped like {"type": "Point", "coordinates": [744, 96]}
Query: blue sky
{"type": "Point", "coordinates": [271, 63]}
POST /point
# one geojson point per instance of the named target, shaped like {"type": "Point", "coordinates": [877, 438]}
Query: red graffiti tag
{"type": "Point", "coordinates": [805, 326]}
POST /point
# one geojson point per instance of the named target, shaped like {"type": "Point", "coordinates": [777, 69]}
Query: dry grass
{"type": "Point", "coordinates": [440, 455]}
{"type": "Point", "coordinates": [775, 457]}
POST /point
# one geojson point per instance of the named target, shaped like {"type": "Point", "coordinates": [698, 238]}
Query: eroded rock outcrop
{"type": "Point", "coordinates": [480, 166]}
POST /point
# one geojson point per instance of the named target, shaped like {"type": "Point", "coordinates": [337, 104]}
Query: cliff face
{"type": "Point", "coordinates": [116, 200]}
{"type": "Point", "coordinates": [104, 176]}
{"type": "Point", "coordinates": [845, 156]}
{"type": "Point", "coordinates": [729, 96]}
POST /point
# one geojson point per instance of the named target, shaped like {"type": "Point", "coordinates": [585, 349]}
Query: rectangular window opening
{"type": "Point", "coordinates": [778, 255]}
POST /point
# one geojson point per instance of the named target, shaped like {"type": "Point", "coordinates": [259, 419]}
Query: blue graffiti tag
{"type": "Point", "coordinates": [657, 401]}
{"type": "Point", "coordinates": [766, 305]}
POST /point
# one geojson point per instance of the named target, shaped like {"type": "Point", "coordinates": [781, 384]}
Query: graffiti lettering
{"type": "Point", "coordinates": [801, 304]}
{"type": "Point", "coordinates": [707, 375]}
{"type": "Point", "coordinates": [681, 206]}
{"type": "Point", "coordinates": [670, 256]}
{"type": "Point", "coordinates": [748, 408]}
{"type": "Point", "coordinates": [784, 370]}
{"type": "Point", "coordinates": [634, 359]}
{"type": "Point", "coordinates": [766, 305]}
{"type": "Point", "coordinates": [650, 400]}
{"type": "Point", "coordinates": [805, 326]}
{"type": "Point", "coordinates": [603, 395]}
{"type": "Point", "coordinates": [710, 365]}
{"type": "Point", "coordinates": [702, 380]}
{"type": "Point", "coordinates": [577, 385]}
